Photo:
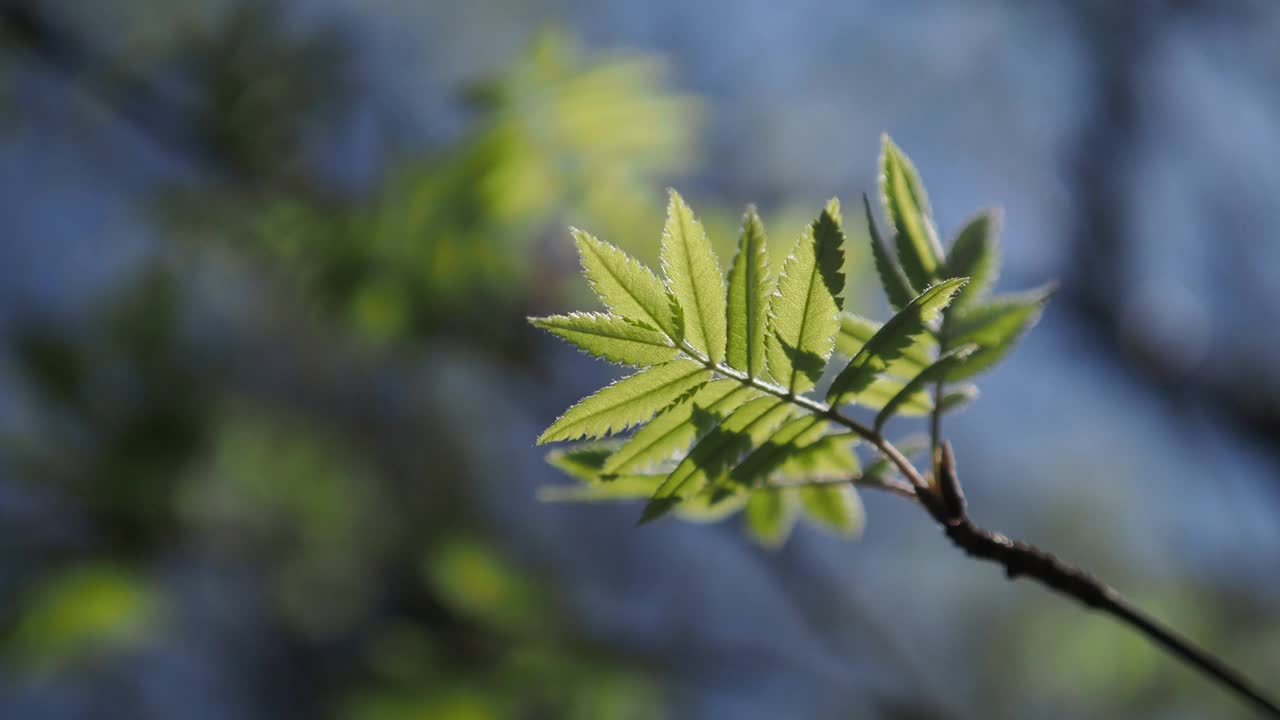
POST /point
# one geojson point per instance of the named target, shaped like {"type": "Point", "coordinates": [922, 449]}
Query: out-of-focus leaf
{"type": "Point", "coordinates": [995, 327]}
{"type": "Point", "coordinates": [81, 612]}
{"type": "Point", "coordinates": [770, 515]}
{"type": "Point", "coordinates": [830, 456]}
{"type": "Point", "coordinates": [958, 398]}
{"type": "Point", "coordinates": [975, 254]}
{"type": "Point", "coordinates": [621, 487]}
{"type": "Point", "coordinates": [711, 507]}
{"type": "Point", "coordinates": [834, 507]}
{"type": "Point", "coordinates": [584, 461]}
{"type": "Point", "coordinates": [475, 581]}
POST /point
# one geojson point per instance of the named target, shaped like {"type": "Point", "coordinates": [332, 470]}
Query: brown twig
{"type": "Point", "coordinates": [1020, 559]}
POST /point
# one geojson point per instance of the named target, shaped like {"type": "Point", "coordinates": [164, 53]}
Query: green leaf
{"type": "Point", "coordinates": [856, 330]}
{"type": "Point", "coordinates": [891, 341]}
{"type": "Point", "coordinates": [748, 301]}
{"type": "Point", "coordinates": [706, 507]}
{"type": "Point", "coordinates": [828, 235]}
{"type": "Point", "coordinates": [804, 309]}
{"type": "Point", "coordinates": [834, 507]}
{"type": "Point", "coordinates": [782, 445]}
{"type": "Point", "coordinates": [959, 398]}
{"type": "Point", "coordinates": [939, 370]}
{"type": "Point", "coordinates": [882, 467]}
{"type": "Point", "coordinates": [907, 206]}
{"type": "Point", "coordinates": [719, 450]}
{"type": "Point", "coordinates": [995, 327]}
{"type": "Point", "coordinates": [896, 288]}
{"type": "Point", "coordinates": [633, 399]}
{"type": "Point", "coordinates": [583, 461]}
{"type": "Point", "coordinates": [627, 287]}
{"type": "Point", "coordinates": [626, 487]}
{"type": "Point", "coordinates": [975, 254]}
{"type": "Point", "coordinates": [770, 515]}
{"type": "Point", "coordinates": [610, 337]}
{"type": "Point", "coordinates": [885, 388]}
{"type": "Point", "coordinates": [674, 429]}
{"type": "Point", "coordinates": [693, 274]}
{"type": "Point", "coordinates": [830, 456]}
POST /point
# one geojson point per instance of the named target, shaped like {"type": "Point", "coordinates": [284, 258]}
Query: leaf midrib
{"type": "Point", "coordinates": [804, 316]}
{"type": "Point", "coordinates": [627, 288]}
{"type": "Point", "coordinates": [753, 299]}
{"type": "Point", "coordinates": [600, 333]}
{"type": "Point", "coordinates": [693, 283]}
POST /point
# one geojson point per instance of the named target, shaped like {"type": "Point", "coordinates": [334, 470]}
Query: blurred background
{"type": "Point", "coordinates": [268, 399]}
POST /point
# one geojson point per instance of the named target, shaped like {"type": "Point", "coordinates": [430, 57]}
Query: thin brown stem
{"type": "Point", "coordinates": [945, 503]}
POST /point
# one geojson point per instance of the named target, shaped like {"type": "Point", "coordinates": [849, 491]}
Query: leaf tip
{"type": "Point", "coordinates": [656, 508]}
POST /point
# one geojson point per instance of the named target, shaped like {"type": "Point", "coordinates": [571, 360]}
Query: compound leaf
{"type": "Point", "coordinates": [713, 455]}
{"type": "Point", "coordinates": [674, 430]}
{"type": "Point", "coordinates": [773, 452]}
{"type": "Point", "coordinates": [936, 372]}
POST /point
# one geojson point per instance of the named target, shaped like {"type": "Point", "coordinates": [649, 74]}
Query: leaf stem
{"type": "Point", "coordinates": [946, 506]}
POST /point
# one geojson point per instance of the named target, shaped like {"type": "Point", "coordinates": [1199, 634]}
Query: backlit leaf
{"type": "Point", "coordinates": [626, 487]}
{"type": "Point", "coordinates": [896, 288]}
{"type": "Point", "coordinates": [713, 455]}
{"type": "Point", "coordinates": [674, 429]}
{"type": "Point", "coordinates": [936, 372]}
{"type": "Point", "coordinates": [770, 515]}
{"type": "Point", "coordinates": [610, 337]}
{"type": "Point", "coordinates": [975, 254]}
{"type": "Point", "coordinates": [748, 304]}
{"type": "Point", "coordinates": [804, 309]}
{"type": "Point", "coordinates": [907, 206]}
{"type": "Point", "coordinates": [834, 507]}
{"type": "Point", "coordinates": [830, 456]}
{"type": "Point", "coordinates": [627, 287]}
{"type": "Point", "coordinates": [633, 399]}
{"type": "Point", "coordinates": [774, 451]}
{"type": "Point", "coordinates": [707, 508]}
{"type": "Point", "coordinates": [892, 340]}
{"type": "Point", "coordinates": [856, 330]}
{"type": "Point", "coordinates": [693, 274]}
{"type": "Point", "coordinates": [584, 461]}
{"type": "Point", "coordinates": [995, 327]}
